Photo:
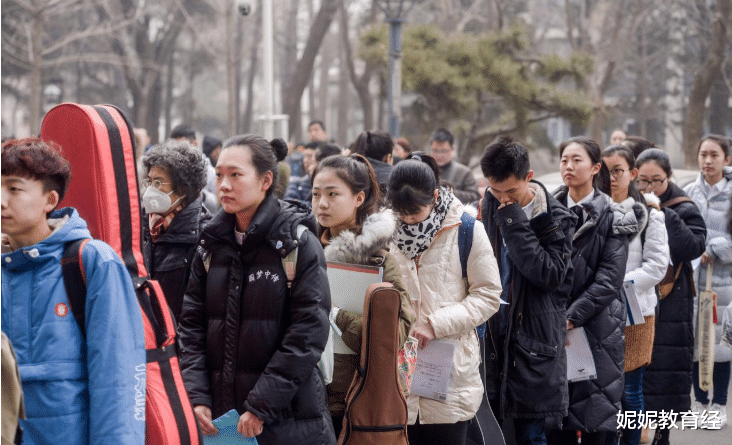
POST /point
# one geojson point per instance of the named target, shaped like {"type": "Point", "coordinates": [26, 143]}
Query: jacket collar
{"type": "Point", "coordinates": [376, 233]}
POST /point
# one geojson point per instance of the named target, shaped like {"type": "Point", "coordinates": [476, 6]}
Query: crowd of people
{"type": "Point", "coordinates": [220, 220]}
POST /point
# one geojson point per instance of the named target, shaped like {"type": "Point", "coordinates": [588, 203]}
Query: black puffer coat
{"type": "Point", "coordinates": [599, 256]}
{"type": "Point", "coordinates": [534, 368]}
{"type": "Point", "coordinates": [168, 259]}
{"type": "Point", "coordinates": [667, 380]}
{"type": "Point", "coordinates": [248, 343]}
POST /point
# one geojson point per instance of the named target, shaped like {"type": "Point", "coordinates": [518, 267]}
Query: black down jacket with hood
{"type": "Point", "coordinates": [534, 368]}
{"type": "Point", "coordinates": [599, 256]}
{"type": "Point", "coordinates": [667, 380]}
{"type": "Point", "coordinates": [246, 342]}
{"type": "Point", "coordinates": [168, 259]}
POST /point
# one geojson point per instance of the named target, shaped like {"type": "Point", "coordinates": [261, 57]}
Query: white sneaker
{"type": "Point", "coordinates": [717, 417]}
{"type": "Point", "coordinates": [698, 408]}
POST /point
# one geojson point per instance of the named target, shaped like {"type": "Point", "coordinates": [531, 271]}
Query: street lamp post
{"type": "Point", "coordinates": [394, 16]}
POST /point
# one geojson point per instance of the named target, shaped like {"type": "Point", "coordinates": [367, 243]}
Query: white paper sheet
{"type": "Point", "coordinates": [580, 363]}
{"type": "Point", "coordinates": [434, 367]}
{"type": "Point", "coordinates": [348, 285]}
{"type": "Point", "coordinates": [633, 314]}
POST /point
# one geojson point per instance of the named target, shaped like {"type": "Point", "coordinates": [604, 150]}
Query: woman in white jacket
{"type": "Point", "coordinates": [648, 260]}
{"type": "Point", "coordinates": [447, 307]}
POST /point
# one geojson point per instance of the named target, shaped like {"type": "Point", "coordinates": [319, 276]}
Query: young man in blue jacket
{"type": "Point", "coordinates": [79, 388]}
{"type": "Point", "coordinates": [531, 234]}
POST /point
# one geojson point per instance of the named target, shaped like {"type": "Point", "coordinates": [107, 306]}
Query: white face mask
{"type": "Point", "coordinates": [156, 201]}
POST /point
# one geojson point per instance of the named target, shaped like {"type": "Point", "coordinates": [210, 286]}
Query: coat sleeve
{"type": "Point", "coordinates": [467, 190]}
{"type": "Point", "coordinates": [607, 282]}
{"type": "Point", "coordinates": [351, 323]}
{"type": "Point", "coordinates": [115, 350]}
{"type": "Point", "coordinates": [483, 293]}
{"type": "Point", "coordinates": [720, 248]}
{"type": "Point", "coordinates": [192, 329]}
{"type": "Point", "coordinates": [687, 232]}
{"type": "Point", "coordinates": [655, 254]}
{"type": "Point", "coordinates": [542, 262]}
{"type": "Point", "coordinates": [303, 341]}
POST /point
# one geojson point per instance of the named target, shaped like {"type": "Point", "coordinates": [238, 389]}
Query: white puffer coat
{"type": "Point", "coordinates": [647, 263]}
{"type": "Point", "coordinates": [719, 246]}
{"type": "Point", "coordinates": [439, 294]}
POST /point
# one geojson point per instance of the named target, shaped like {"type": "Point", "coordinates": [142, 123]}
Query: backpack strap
{"type": "Point", "coordinates": [465, 243]}
{"type": "Point", "coordinates": [289, 263]}
{"type": "Point", "coordinates": [72, 269]}
{"type": "Point", "coordinates": [677, 200]}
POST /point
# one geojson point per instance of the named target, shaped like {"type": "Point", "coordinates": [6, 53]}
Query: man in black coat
{"type": "Point", "coordinates": [531, 234]}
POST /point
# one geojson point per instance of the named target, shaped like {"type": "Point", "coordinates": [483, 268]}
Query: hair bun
{"type": "Point", "coordinates": [280, 148]}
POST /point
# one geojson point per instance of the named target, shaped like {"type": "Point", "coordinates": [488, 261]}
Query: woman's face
{"type": "Point", "coordinates": [160, 179]}
{"type": "Point", "coordinates": [239, 186]}
{"type": "Point", "coordinates": [334, 204]}
{"type": "Point", "coordinates": [712, 161]}
{"type": "Point", "coordinates": [421, 215]}
{"type": "Point", "coordinates": [620, 174]}
{"type": "Point", "coordinates": [652, 178]}
{"type": "Point", "coordinates": [576, 166]}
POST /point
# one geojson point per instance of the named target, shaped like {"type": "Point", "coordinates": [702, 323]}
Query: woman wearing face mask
{"type": "Point", "coordinates": [648, 259]}
{"type": "Point", "coordinates": [712, 192]}
{"type": "Point", "coordinates": [599, 256]}
{"type": "Point", "coordinates": [353, 230]}
{"type": "Point", "coordinates": [251, 337]}
{"type": "Point", "coordinates": [175, 174]}
{"type": "Point", "coordinates": [667, 380]}
{"type": "Point", "coordinates": [445, 305]}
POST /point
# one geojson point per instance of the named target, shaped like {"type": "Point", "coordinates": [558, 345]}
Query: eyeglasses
{"type": "Point", "coordinates": [642, 184]}
{"type": "Point", "coordinates": [156, 183]}
{"type": "Point", "coordinates": [617, 173]}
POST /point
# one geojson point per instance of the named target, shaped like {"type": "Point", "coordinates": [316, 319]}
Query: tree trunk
{"type": "Point", "coordinates": [231, 68]}
{"type": "Point", "coordinates": [304, 68]}
{"type": "Point", "coordinates": [344, 96]}
{"type": "Point", "coordinates": [361, 84]}
{"type": "Point", "coordinates": [703, 80]}
{"type": "Point", "coordinates": [36, 73]}
{"type": "Point", "coordinates": [249, 106]}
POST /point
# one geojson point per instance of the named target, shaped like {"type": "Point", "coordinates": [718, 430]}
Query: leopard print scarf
{"type": "Point", "coordinates": [413, 239]}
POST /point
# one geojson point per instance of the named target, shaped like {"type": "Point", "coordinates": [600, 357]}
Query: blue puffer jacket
{"type": "Point", "coordinates": [76, 391]}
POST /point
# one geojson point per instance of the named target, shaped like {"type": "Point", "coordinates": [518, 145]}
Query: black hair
{"type": "Point", "coordinates": [313, 145]}
{"type": "Point", "coordinates": [625, 153]}
{"type": "Point", "coordinates": [503, 157]}
{"type": "Point", "coordinates": [374, 145]}
{"type": "Point", "coordinates": [209, 144]}
{"type": "Point", "coordinates": [356, 171]}
{"type": "Point", "coordinates": [442, 135]}
{"type": "Point", "coordinates": [637, 144]}
{"type": "Point", "coordinates": [316, 121]}
{"type": "Point", "coordinates": [183, 131]}
{"type": "Point", "coordinates": [659, 157]}
{"type": "Point", "coordinates": [722, 141]}
{"type": "Point", "coordinates": [265, 155]}
{"type": "Point", "coordinates": [601, 180]}
{"type": "Point", "coordinates": [327, 150]}
{"type": "Point", "coordinates": [183, 163]}
{"type": "Point", "coordinates": [412, 184]}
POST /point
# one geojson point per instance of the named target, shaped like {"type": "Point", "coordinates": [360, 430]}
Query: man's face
{"type": "Point", "coordinates": [512, 190]}
{"type": "Point", "coordinates": [316, 133]}
{"type": "Point", "coordinates": [24, 208]}
{"type": "Point", "coordinates": [308, 160]}
{"type": "Point", "coordinates": [442, 152]}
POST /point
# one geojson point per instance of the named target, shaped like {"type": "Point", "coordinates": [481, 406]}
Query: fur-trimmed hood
{"type": "Point", "coordinates": [376, 233]}
{"type": "Point", "coordinates": [641, 211]}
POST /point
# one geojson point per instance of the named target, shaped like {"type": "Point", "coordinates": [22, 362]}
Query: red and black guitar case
{"type": "Point", "coordinates": [99, 143]}
{"type": "Point", "coordinates": [376, 410]}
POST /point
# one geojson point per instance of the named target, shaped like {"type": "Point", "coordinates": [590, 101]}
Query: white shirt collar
{"type": "Point", "coordinates": [571, 203]}
{"type": "Point", "coordinates": [713, 190]}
